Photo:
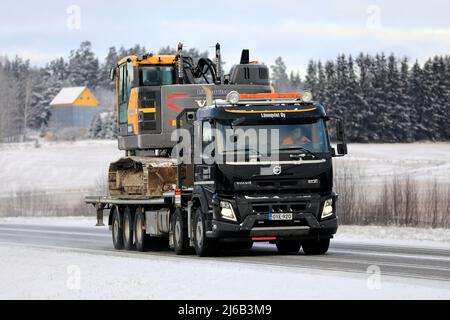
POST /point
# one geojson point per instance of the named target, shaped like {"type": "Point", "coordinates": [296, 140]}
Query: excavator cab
{"type": "Point", "coordinates": [152, 90]}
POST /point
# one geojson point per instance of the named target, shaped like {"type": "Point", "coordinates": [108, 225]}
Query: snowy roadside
{"type": "Point", "coordinates": [394, 236]}
{"type": "Point", "coordinates": [61, 274]}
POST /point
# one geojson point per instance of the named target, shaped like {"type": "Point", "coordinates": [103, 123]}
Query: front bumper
{"type": "Point", "coordinates": [303, 226]}
{"type": "Point", "coordinates": [229, 231]}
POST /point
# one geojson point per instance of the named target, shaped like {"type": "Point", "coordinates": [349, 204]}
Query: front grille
{"type": "Point", "coordinates": [280, 223]}
{"type": "Point", "coordinates": [279, 207]}
{"type": "Point", "coordinates": [281, 184]}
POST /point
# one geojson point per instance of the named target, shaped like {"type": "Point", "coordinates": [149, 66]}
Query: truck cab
{"type": "Point", "coordinates": [262, 171]}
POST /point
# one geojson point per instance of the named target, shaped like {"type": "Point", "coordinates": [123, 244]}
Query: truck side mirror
{"type": "Point", "coordinates": [340, 137]}
{"type": "Point", "coordinates": [112, 74]}
{"type": "Point", "coordinates": [340, 132]}
{"type": "Point", "coordinates": [342, 149]}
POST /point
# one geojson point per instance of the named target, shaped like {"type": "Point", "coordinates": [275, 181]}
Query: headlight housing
{"type": "Point", "coordinates": [307, 96]}
{"type": "Point", "coordinates": [233, 97]}
{"type": "Point", "coordinates": [227, 211]}
{"type": "Point", "coordinates": [327, 209]}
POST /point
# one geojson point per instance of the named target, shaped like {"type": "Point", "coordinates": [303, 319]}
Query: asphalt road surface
{"type": "Point", "coordinates": [423, 263]}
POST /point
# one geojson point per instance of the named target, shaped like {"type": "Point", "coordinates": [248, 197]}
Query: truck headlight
{"type": "Point", "coordinates": [226, 211]}
{"type": "Point", "coordinates": [327, 209]}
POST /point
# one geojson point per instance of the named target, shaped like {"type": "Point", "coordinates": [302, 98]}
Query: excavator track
{"type": "Point", "coordinates": [132, 177]}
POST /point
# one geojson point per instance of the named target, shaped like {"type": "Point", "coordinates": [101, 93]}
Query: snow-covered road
{"type": "Point", "coordinates": [77, 261]}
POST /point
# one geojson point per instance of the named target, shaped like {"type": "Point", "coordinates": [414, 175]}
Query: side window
{"type": "Point", "coordinates": [122, 95]}
{"type": "Point", "coordinates": [129, 80]}
{"type": "Point", "coordinates": [207, 133]}
{"type": "Point", "coordinates": [208, 145]}
{"type": "Point", "coordinates": [121, 83]}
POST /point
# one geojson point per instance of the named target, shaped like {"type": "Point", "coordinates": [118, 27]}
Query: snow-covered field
{"type": "Point", "coordinates": [74, 166]}
{"type": "Point", "coordinates": [78, 166]}
{"type": "Point", "coordinates": [55, 167]}
{"type": "Point", "coordinates": [424, 162]}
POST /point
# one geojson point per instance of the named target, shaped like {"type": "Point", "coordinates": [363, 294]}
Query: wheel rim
{"type": "Point", "coordinates": [199, 233]}
{"type": "Point", "coordinates": [116, 228]}
{"type": "Point", "coordinates": [138, 230]}
{"type": "Point", "coordinates": [177, 232]}
{"type": "Point", "coordinates": [126, 225]}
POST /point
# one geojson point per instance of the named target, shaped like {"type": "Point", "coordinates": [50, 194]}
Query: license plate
{"type": "Point", "coordinates": [280, 216]}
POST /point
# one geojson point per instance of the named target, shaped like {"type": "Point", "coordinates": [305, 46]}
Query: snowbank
{"type": "Point", "coordinates": [68, 275]}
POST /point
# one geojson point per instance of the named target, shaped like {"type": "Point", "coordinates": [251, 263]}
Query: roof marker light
{"type": "Point", "coordinates": [307, 96]}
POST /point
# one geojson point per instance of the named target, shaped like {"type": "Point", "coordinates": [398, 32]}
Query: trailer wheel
{"type": "Point", "coordinates": [179, 233]}
{"type": "Point", "coordinates": [204, 246]}
{"type": "Point", "coordinates": [140, 237]}
{"type": "Point", "coordinates": [288, 246]}
{"type": "Point", "coordinates": [117, 232]}
{"type": "Point", "coordinates": [128, 226]}
{"type": "Point", "coordinates": [316, 247]}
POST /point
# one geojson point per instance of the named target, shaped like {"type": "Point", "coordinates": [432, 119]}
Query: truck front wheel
{"type": "Point", "coordinates": [204, 246]}
{"type": "Point", "coordinates": [117, 231]}
{"type": "Point", "coordinates": [288, 246]}
{"type": "Point", "coordinates": [316, 247]}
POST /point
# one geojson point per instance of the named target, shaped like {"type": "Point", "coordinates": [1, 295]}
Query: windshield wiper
{"type": "Point", "coordinates": [240, 150]}
{"type": "Point", "coordinates": [302, 149]}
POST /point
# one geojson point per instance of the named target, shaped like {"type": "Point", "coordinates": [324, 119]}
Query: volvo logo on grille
{"type": "Point", "coordinates": [277, 170]}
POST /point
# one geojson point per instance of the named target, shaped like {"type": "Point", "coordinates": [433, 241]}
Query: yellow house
{"type": "Point", "coordinates": [74, 107]}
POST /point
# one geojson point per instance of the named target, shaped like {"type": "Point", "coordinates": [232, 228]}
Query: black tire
{"type": "Point", "coordinates": [128, 226]}
{"type": "Point", "coordinates": [316, 247]}
{"type": "Point", "coordinates": [117, 232]}
{"type": "Point", "coordinates": [179, 234]}
{"type": "Point", "coordinates": [204, 247]}
{"type": "Point", "coordinates": [288, 246]}
{"type": "Point", "coordinates": [140, 237]}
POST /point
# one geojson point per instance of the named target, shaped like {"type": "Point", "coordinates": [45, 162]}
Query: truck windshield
{"type": "Point", "coordinates": [282, 138]}
{"type": "Point", "coordinates": [156, 75]}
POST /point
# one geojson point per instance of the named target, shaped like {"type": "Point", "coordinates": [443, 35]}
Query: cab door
{"type": "Point", "coordinates": [125, 81]}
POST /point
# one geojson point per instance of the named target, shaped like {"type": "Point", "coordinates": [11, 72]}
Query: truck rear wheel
{"type": "Point", "coordinates": [128, 223]}
{"type": "Point", "coordinates": [117, 232]}
{"type": "Point", "coordinates": [140, 237]}
{"type": "Point", "coordinates": [204, 246]}
{"type": "Point", "coordinates": [179, 234]}
{"type": "Point", "coordinates": [316, 247]}
{"type": "Point", "coordinates": [288, 246]}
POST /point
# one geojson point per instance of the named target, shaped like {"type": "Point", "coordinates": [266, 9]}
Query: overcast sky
{"type": "Point", "coordinates": [296, 30]}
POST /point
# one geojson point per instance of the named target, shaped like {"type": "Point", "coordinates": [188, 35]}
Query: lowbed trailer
{"type": "Point", "coordinates": [177, 220]}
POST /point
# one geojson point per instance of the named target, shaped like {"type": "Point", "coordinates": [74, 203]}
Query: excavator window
{"type": "Point", "coordinates": [125, 81]}
{"type": "Point", "coordinates": [156, 75]}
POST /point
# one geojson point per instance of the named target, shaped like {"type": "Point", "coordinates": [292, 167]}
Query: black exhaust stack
{"type": "Point", "coordinates": [245, 57]}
